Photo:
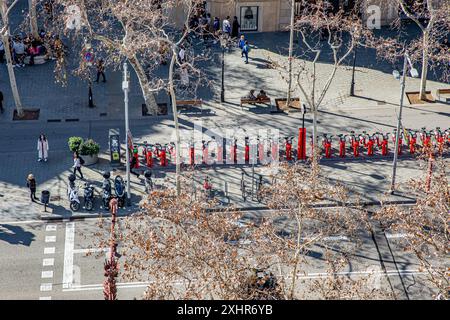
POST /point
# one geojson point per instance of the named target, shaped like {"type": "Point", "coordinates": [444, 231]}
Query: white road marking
{"type": "Point", "coordinates": [68, 255]}
{"type": "Point", "coordinates": [46, 287]}
{"type": "Point", "coordinates": [49, 250]}
{"type": "Point", "coordinates": [45, 298]}
{"type": "Point", "coordinates": [50, 227]}
{"type": "Point", "coordinates": [397, 235]}
{"type": "Point", "coordinates": [47, 274]}
{"type": "Point", "coordinates": [130, 285]}
{"type": "Point", "coordinates": [90, 250]}
{"type": "Point", "coordinates": [50, 238]}
{"type": "Point", "coordinates": [48, 262]}
{"type": "Point", "coordinates": [22, 222]}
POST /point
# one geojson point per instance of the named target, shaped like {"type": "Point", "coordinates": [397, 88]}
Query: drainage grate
{"type": "Point", "coordinates": [72, 120]}
{"type": "Point", "coordinates": [54, 120]}
{"type": "Point", "coordinates": [103, 114]}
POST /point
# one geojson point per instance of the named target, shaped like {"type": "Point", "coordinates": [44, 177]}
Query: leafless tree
{"type": "Point", "coordinates": [5, 10]}
{"type": "Point", "coordinates": [425, 225]}
{"type": "Point", "coordinates": [326, 34]}
{"type": "Point", "coordinates": [431, 48]}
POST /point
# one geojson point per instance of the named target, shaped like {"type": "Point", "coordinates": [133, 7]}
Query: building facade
{"type": "Point", "coordinates": [274, 15]}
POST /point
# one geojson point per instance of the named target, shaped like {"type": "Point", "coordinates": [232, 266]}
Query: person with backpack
{"type": "Point", "coordinates": [245, 51]}
{"type": "Point", "coordinates": [77, 163]}
{"type": "Point", "coordinates": [31, 184]}
{"type": "Point", "coordinates": [226, 27]}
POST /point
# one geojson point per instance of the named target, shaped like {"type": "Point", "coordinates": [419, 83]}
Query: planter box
{"type": "Point", "coordinates": [89, 160]}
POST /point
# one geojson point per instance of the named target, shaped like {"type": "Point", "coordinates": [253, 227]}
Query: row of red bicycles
{"type": "Point", "coordinates": [264, 150]}
{"type": "Point", "coordinates": [410, 141]}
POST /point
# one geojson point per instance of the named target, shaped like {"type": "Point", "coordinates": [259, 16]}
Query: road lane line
{"type": "Point", "coordinates": [46, 287]}
{"type": "Point", "coordinates": [50, 227]}
{"type": "Point", "coordinates": [68, 255]}
{"type": "Point", "coordinates": [48, 262]}
{"type": "Point", "coordinates": [90, 250]}
{"type": "Point", "coordinates": [397, 235]}
{"type": "Point", "coordinates": [49, 250]}
{"type": "Point", "coordinates": [50, 238]}
{"type": "Point", "coordinates": [130, 285]}
{"type": "Point", "coordinates": [47, 274]}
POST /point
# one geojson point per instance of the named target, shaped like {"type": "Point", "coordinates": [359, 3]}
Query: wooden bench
{"type": "Point", "coordinates": [189, 103]}
{"type": "Point", "coordinates": [255, 101]}
{"type": "Point", "coordinates": [445, 92]}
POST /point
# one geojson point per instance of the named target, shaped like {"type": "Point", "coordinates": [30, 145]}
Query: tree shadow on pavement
{"type": "Point", "coordinates": [16, 235]}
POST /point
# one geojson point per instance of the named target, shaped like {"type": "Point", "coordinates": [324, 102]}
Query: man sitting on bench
{"type": "Point", "coordinates": [250, 96]}
{"type": "Point", "coordinates": [262, 95]}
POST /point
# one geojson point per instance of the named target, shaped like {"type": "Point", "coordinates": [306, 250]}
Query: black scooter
{"type": "Point", "coordinates": [88, 196]}
{"type": "Point", "coordinates": [106, 187]}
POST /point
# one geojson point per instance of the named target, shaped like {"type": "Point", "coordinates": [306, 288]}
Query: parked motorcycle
{"type": "Point", "coordinates": [88, 196]}
{"type": "Point", "coordinates": [148, 181]}
{"type": "Point", "coordinates": [119, 188]}
{"type": "Point", "coordinates": [106, 187]}
{"type": "Point", "coordinates": [72, 193]}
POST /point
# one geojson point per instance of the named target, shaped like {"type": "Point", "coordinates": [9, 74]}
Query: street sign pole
{"type": "Point", "coordinates": [126, 89]}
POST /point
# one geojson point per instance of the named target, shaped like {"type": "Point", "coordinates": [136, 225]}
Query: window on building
{"type": "Point", "coordinates": [249, 18]}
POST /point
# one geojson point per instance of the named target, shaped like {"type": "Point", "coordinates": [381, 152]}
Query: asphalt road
{"type": "Point", "coordinates": [61, 261]}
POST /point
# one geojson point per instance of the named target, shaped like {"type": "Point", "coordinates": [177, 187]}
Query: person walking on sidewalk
{"type": "Point", "coordinates": [42, 147]}
{"type": "Point", "coordinates": [241, 44]}
{"type": "Point", "coordinates": [77, 163]}
{"type": "Point", "coordinates": [1, 102]}
{"type": "Point", "coordinates": [245, 51]}
{"type": "Point", "coordinates": [31, 184]}
{"type": "Point", "coordinates": [100, 70]}
{"type": "Point", "coordinates": [226, 27]}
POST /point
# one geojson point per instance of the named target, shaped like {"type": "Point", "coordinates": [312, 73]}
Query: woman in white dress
{"type": "Point", "coordinates": [42, 147]}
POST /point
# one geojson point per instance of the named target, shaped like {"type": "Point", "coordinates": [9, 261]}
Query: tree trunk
{"type": "Point", "coordinates": [291, 46]}
{"type": "Point", "coordinates": [33, 18]}
{"type": "Point", "coordinates": [12, 76]}
{"type": "Point", "coordinates": [423, 80]}
{"type": "Point", "coordinates": [315, 147]}
{"type": "Point", "coordinates": [149, 98]}
{"type": "Point", "coordinates": [175, 119]}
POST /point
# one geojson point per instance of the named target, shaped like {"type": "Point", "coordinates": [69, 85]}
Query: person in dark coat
{"type": "Point", "coordinates": [31, 184]}
{"type": "Point", "coordinates": [235, 28]}
{"type": "Point", "coordinates": [1, 102]}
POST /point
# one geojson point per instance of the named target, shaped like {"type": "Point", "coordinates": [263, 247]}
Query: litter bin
{"type": "Point", "coordinates": [45, 198]}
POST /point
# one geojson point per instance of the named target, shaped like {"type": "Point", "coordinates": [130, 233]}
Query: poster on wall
{"type": "Point", "coordinates": [249, 18]}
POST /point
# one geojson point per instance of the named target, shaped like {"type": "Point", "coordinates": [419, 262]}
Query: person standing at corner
{"type": "Point", "coordinates": [31, 184]}
{"type": "Point", "coordinates": [1, 102]}
{"type": "Point", "coordinates": [100, 70]}
{"type": "Point", "coordinates": [77, 165]}
{"type": "Point", "coordinates": [235, 28]}
{"type": "Point", "coordinates": [42, 147]}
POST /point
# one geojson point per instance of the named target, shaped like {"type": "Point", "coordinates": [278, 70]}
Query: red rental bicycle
{"type": "Point", "coordinates": [326, 143]}
{"type": "Point", "coordinates": [342, 140]}
{"type": "Point", "coordinates": [354, 143]}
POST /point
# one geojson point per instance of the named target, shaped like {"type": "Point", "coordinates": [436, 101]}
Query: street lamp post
{"type": "Point", "coordinates": [352, 86]}
{"type": "Point", "coordinates": [396, 74]}
{"type": "Point", "coordinates": [222, 91]}
{"type": "Point", "coordinates": [126, 89]}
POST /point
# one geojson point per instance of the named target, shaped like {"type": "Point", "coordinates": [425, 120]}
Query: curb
{"type": "Point", "coordinates": [239, 209]}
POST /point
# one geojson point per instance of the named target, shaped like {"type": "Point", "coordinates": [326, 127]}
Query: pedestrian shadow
{"type": "Point", "coordinates": [16, 235]}
{"type": "Point", "coordinates": [59, 210]}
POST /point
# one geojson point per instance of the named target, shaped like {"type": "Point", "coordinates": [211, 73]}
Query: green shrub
{"type": "Point", "coordinates": [74, 143]}
{"type": "Point", "coordinates": [89, 147]}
